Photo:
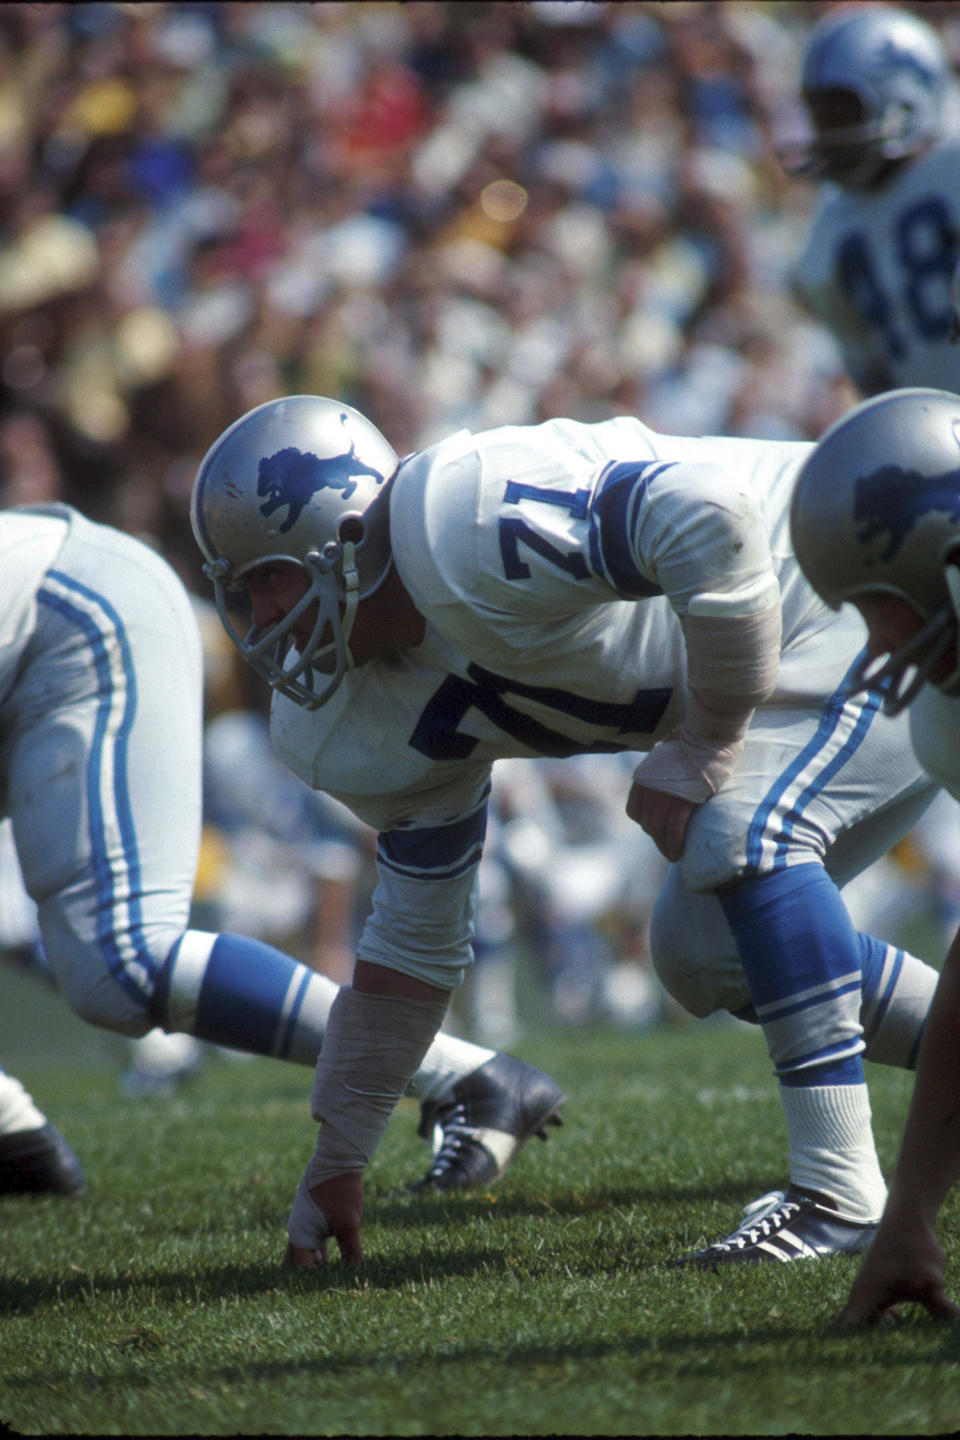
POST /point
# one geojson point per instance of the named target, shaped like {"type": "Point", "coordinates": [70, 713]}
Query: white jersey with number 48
{"type": "Point", "coordinates": [877, 270]}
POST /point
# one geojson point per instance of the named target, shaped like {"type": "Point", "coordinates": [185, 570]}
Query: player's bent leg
{"type": "Point", "coordinates": [811, 790]}
{"type": "Point", "coordinates": [34, 1157]}
{"type": "Point", "coordinates": [478, 1107]}
{"type": "Point", "coordinates": [695, 956]}
{"type": "Point", "coordinates": [808, 1003]}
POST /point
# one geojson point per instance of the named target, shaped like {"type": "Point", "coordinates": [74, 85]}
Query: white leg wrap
{"type": "Point", "coordinates": [373, 1047]}
{"type": "Point", "coordinates": [17, 1110]}
{"type": "Point", "coordinates": [307, 1226]}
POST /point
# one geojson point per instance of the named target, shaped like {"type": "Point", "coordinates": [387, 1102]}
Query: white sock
{"type": "Point", "coordinates": [446, 1062]}
{"type": "Point", "coordinates": [832, 1149]}
{"type": "Point", "coordinates": [17, 1110]}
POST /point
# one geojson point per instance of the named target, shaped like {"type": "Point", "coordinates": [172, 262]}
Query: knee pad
{"type": "Point", "coordinates": [693, 951]}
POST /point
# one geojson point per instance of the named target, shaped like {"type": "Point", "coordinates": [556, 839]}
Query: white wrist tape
{"type": "Point", "coordinates": [732, 664]}
{"type": "Point", "coordinates": [685, 765]}
{"type": "Point", "coordinates": [373, 1047]}
{"type": "Point", "coordinates": [307, 1225]}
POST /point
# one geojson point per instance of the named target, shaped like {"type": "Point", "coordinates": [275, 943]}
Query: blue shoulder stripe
{"type": "Point", "coordinates": [613, 513]}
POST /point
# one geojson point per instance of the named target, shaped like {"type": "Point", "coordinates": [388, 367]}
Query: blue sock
{"type": "Point", "coordinates": [802, 959]}
{"type": "Point", "coordinates": [234, 991]}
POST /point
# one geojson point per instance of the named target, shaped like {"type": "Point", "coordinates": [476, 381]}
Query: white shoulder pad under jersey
{"type": "Point", "coordinates": [876, 269]}
{"type": "Point", "coordinates": [935, 732]}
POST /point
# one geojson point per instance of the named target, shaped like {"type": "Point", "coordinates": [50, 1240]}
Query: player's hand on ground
{"type": "Point", "coordinates": [901, 1266]}
{"type": "Point", "coordinates": [664, 817]}
{"type": "Point", "coordinates": [341, 1200]}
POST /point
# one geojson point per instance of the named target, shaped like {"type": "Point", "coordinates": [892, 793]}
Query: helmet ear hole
{"type": "Point", "coordinates": [351, 529]}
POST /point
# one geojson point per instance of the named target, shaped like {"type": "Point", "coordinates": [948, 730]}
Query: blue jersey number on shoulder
{"type": "Point", "coordinates": [612, 511]}
{"type": "Point", "coordinates": [438, 736]}
{"type": "Point", "coordinates": [514, 531]}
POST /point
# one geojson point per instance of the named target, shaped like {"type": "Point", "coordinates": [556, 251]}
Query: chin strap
{"type": "Point", "coordinates": [351, 583]}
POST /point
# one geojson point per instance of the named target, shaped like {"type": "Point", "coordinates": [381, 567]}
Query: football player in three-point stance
{"type": "Point", "coordinates": [100, 746]}
{"type": "Point", "coordinates": [877, 265]}
{"type": "Point", "coordinates": [553, 590]}
{"type": "Point", "coordinates": [876, 523]}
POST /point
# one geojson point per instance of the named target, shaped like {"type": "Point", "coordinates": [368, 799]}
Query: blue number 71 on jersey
{"type": "Point", "coordinates": [438, 736]}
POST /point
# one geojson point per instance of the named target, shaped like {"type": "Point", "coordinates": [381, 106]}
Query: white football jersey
{"type": "Point", "coordinates": [540, 557]}
{"type": "Point", "coordinates": [552, 564]}
{"type": "Point", "coordinates": [876, 270]}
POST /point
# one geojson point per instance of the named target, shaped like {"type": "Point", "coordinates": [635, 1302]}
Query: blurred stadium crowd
{"type": "Point", "coordinates": [446, 214]}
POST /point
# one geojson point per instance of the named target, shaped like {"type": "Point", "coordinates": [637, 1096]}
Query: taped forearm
{"type": "Point", "coordinates": [732, 665]}
{"type": "Point", "coordinates": [373, 1046]}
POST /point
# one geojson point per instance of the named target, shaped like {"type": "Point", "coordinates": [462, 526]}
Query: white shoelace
{"type": "Point", "coordinates": [775, 1212]}
{"type": "Point", "coordinates": [455, 1134]}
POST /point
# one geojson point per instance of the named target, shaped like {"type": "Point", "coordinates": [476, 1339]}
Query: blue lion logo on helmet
{"type": "Point", "coordinates": [292, 477]}
{"type": "Point", "coordinates": [894, 56]}
{"type": "Point", "coordinates": [892, 501]}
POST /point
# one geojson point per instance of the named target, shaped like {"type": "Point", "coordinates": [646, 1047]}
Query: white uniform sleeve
{"type": "Point", "coordinates": [698, 531]}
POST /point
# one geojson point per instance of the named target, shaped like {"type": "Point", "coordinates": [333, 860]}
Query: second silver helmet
{"type": "Point", "coordinates": [876, 508]}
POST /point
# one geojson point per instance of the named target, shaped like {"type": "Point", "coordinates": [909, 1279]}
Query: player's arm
{"type": "Point", "coordinates": [905, 1261]}
{"type": "Point", "coordinates": [705, 542]}
{"type": "Point", "coordinates": [414, 950]}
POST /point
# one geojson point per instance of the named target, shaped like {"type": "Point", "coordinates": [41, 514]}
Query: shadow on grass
{"type": "Point", "coordinates": [716, 1354]}
{"type": "Point", "coordinates": [204, 1284]}
{"type": "Point", "coordinates": [22, 1294]}
{"type": "Point", "coordinates": [398, 1207]}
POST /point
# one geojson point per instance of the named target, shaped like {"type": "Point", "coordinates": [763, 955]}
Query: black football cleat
{"type": "Point", "coordinates": [778, 1227]}
{"type": "Point", "coordinates": [39, 1162]}
{"type": "Point", "coordinates": [478, 1127]}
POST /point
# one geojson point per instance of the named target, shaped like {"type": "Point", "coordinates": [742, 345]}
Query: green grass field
{"type": "Point", "coordinates": [155, 1304]}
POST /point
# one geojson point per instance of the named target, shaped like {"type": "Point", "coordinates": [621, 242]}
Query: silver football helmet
{"type": "Point", "coordinates": [874, 81]}
{"type": "Point", "coordinates": [302, 479]}
{"type": "Point", "coordinates": [876, 508]}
